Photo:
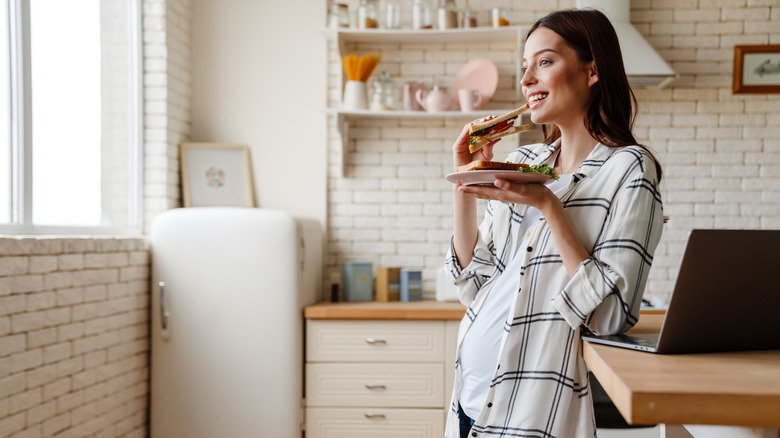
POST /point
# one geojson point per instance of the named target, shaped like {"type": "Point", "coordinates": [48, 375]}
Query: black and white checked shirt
{"type": "Point", "coordinates": [540, 386]}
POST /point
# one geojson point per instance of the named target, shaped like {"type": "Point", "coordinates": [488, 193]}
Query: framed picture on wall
{"type": "Point", "coordinates": [756, 69]}
{"type": "Point", "coordinates": [216, 175]}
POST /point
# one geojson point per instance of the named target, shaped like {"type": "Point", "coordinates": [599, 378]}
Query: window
{"type": "Point", "coordinates": [70, 158]}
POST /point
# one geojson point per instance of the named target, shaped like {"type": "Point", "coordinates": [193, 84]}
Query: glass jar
{"type": "Point", "coordinates": [498, 18]}
{"type": "Point", "coordinates": [421, 15]}
{"type": "Point", "coordinates": [367, 15]}
{"type": "Point", "coordinates": [384, 95]}
{"type": "Point", "coordinates": [339, 15]}
{"type": "Point", "coordinates": [447, 14]}
{"type": "Point", "coordinates": [392, 14]}
{"type": "Point", "coordinates": [469, 18]}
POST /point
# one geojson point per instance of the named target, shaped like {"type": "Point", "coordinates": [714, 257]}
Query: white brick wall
{"type": "Point", "coordinates": [166, 30]}
{"type": "Point", "coordinates": [74, 341]}
{"type": "Point", "coordinates": [74, 346]}
{"type": "Point", "coordinates": [720, 152]}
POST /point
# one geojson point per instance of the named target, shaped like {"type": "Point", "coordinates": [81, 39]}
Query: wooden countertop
{"type": "Point", "coordinates": [415, 310]}
{"type": "Point", "coordinates": [736, 388]}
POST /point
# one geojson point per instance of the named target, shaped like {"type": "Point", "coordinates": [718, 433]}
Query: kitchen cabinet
{"type": "Point", "coordinates": [385, 377]}
{"type": "Point", "coordinates": [343, 37]}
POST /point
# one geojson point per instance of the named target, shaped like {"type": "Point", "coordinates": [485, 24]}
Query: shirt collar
{"type": "Point", "coordinates": [587, 168]}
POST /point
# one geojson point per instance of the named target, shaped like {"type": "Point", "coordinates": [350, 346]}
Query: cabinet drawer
{"type": "Point", "coordinates": [375, 385]}
{"type": "Point", "coordinates": [374, 341]}
{"type": "Point", "coordinates": [374, 423]}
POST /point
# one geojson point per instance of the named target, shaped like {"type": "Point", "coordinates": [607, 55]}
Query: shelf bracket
{"type": "Point", "coordinates": [343, 127]}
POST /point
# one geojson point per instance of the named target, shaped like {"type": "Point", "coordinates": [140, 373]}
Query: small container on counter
{"type": "Point", "coordinates": [384, 95]}
{"type": "Point", "coordinates": [411, 285]}
{"type": "Point", "coordinates": [421, 15]}
{"type": "Point", "coordinates": [367, 15]}
{"type": "Point", "coordinates": [447, 14]}
{"type": "Point", "coordinates": [338, 15]}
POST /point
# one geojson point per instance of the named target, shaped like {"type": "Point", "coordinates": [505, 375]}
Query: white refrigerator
{"type": "Point", "coordinates": [228, 290]}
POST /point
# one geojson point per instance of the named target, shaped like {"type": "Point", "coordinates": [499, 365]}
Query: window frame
{"type": "Point", "coordinates": [21, 129]}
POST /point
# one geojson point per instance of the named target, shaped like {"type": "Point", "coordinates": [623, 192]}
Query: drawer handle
{"type": "Point", "coordinates": [375, 386]}
{"type": "Point", "coordinates": [373, 415]}
{"type": "Point", "coordinates": [375, 341]}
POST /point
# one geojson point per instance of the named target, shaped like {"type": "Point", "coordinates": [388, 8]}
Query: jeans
{"type": "Point", "coordinates": [465, 423]}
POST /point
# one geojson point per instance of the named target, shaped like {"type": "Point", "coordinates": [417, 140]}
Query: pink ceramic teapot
{"type": "Point", "coordinates": [436, 101]}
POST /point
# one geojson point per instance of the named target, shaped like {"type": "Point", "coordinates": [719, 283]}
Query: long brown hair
{"type": "Point", "coordinates": [613, 108]}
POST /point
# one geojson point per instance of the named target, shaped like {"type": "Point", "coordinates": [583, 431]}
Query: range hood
{"type": "Point", "coordinates": [644, 66]}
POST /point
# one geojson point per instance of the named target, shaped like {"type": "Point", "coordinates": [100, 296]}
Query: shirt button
{"type": "Point", "coordinates": [473, 434]}
{"type": "Point", "coordinates": [490, 405]}
{"type": "Point", "coordinates": [530, 249]}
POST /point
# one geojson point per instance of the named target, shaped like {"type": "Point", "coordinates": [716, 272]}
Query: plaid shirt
{"type": "Point", "coordinates": [540, 386]}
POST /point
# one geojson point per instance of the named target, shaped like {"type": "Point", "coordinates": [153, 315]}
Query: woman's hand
{"type": "Point", "coordinates": [460, 150]}
{"type": "Point", "coordinates": [535, 195]}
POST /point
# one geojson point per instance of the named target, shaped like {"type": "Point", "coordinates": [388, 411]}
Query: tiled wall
{"type": "Point", "coordinates": [73, 337]}
{"type": "Point", "coordinates": [74, 341]}
{"type": "Point", "coordinates": [720, 152]}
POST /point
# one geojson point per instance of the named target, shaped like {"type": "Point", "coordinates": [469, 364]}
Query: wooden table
{"type": "Point", "coordinates": [737, 388]}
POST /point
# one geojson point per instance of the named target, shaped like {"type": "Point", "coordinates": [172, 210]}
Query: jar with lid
{"type": "Point", "coordinates": [469, 17]}
{"type": "Point", "coordinates": [367, 15]}
{"type": "Point", "coordinates": [421, 15]}
{"type": "Point", "coordinates": [338, 15]}
{"type": "Point", "coordinates": [447, 14]}
{"type": "Point", "coordinates": [384, 95]}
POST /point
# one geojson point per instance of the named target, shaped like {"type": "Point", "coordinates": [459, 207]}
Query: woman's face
{"type": "Point", "coordinates": [555, 82]}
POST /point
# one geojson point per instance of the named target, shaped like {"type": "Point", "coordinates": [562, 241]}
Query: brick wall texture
{"type": "Point", "coordinates": [74, 347]}
{"type": "Point", "coordinates": [720, 151]}
{"type": "Point", "coordinates": [74, 312]}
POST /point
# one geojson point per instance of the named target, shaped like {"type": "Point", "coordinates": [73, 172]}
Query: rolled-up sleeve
{"type": "Point", "coordinates": [605, 292]}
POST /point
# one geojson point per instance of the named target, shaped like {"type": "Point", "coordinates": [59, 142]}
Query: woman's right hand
{"type": "Point", "coordinates": [460, 150]}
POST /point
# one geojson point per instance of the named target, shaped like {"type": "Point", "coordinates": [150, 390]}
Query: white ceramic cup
{"type": "Point", "coordinates": [355, 95]}
{"type": "Point", "coordinates": [469, 99]}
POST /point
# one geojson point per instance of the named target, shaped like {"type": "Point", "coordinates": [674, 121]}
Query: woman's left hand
{"type": "Point", "coordinates": [535, 195]}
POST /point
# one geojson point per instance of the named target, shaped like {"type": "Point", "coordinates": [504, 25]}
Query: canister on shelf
{"type": "Point", "coordinates": [447, 14]}
{"type": "Point", "coordinates": [338, 15]}
{"type": "Point", "coordinates": [367, 15]}
{"type": "Point", "coordinates": [384, 95]}
{"type": "Point", "coordinates": [421, 15]}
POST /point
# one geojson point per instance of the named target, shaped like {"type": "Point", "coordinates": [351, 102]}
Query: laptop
{"type": "Point", "coordinates": [726, 298]}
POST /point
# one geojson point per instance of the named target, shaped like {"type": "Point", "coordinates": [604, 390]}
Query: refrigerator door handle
{"type": "Point", "coordinates": [163, 314]}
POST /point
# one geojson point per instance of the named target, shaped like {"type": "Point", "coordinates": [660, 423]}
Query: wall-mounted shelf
{"type": "Point", "coordinates": [460, 35]}
{"type": "Point", "coordinates": [342, 37]}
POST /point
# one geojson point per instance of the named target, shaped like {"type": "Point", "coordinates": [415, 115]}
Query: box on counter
{"type": "Point", "coordinates": [357, 281]}
{"type": "Point", "coordinates": [388, 283]}
{"type": "Point", "coordinates": [411, 285]}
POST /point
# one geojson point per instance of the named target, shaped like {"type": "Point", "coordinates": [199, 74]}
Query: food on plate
{"type": "Point", "coordinates": [482, 133]}
{"type": "Point", "coordinates": [489, 165]}
{"type": "Point", "coordinates": [544, 169]}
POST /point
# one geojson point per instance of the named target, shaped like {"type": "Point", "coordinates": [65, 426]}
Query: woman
{"type": "Point", "coordinates": [550, 260]}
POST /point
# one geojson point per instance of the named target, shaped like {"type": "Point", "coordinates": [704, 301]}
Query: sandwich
{"type": "Point", "coordinates": [482, 133]}
{"type": "Point", "coordinates": [543, 168]}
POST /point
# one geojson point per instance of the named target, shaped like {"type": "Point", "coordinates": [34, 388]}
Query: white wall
{"type": "Point", "coordinates": [259, 78]}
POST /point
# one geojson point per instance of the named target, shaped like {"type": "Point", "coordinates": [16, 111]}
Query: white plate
{"type": "Point", "coordinates": [487, 177]}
